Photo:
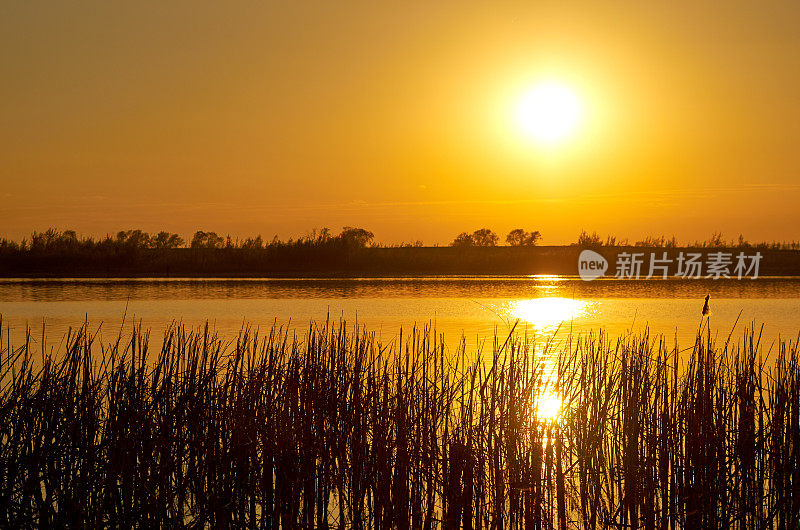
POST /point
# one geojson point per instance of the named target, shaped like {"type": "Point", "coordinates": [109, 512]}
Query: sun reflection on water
{"type": "Point", "coordinates": [548, 406]}
{"type": "Point", "coordinates": [545, 314]}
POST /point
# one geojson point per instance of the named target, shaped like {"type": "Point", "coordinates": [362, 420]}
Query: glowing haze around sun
{"type": "Point", "coordinates": [549, 113]}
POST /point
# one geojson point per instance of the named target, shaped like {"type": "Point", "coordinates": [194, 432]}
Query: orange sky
{"type": "Point", "coordinates": [274, 118]}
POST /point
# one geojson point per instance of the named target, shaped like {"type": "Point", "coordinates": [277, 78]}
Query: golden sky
{"type": "Point", "coordinates": [277, 117]}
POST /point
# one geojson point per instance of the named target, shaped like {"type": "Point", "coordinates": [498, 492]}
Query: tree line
{"type": "Point", "coordinates": [717, 240]}
{"type": "Point", "coordinates": [485, 237]}
{"type": "Point", "coordinates": [67, 241]}
{"type": "Point", "coordinates": [54, 241]}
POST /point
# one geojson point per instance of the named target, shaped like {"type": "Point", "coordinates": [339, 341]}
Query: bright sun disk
{"type": "Point", "coordinates": [549, 113]}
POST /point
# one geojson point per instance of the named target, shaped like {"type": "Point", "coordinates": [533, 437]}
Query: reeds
{"type": "Point", "coordinates": [332, 429]}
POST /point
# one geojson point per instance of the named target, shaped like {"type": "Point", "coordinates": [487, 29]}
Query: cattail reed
{"type": "Point", "coordinates": [330, 428]}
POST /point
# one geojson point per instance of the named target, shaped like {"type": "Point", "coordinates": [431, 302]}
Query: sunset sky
{"type": "Point", "coordinates": [278, 117]}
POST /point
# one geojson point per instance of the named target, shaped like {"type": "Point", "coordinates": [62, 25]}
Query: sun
{"type": "Point", "coordinates": [549, 113]}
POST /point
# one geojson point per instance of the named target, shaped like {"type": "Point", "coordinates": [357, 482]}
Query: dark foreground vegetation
{"type": "Point", "coordinates": [338, 431]}
{"type": "Point", "coordinates": [352, 252]}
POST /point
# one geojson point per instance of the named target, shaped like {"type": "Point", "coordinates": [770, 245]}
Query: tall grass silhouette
{"type": "Point", "coordinates": [332, 429]}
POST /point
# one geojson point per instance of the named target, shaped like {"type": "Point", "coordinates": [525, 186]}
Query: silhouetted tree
{"type": "Point", "coordinates": [317, 237]}
{"type": "Point", "coordinates": [167, 240]}
{"type": "Point", "coordinates": [133, 239]}
{"type": "Point", "coordinates": [520, 238]}
{"type": "Point", "coordinates": [463, 240]}
{"type": "Point", "coordinates": [479, 238]}
{"type": "Point", "coordinates": [207, 240]}
{"type": "Point", "coordinates": [589, 240]}
{"type": "Point", "coordinates": [253, 243]}
{"type": "Point", "coordinates": [356, 237]}
{"type": "Point", "coordinates": [414, 244]}
{"type": "Point", "coordinates": [70, 237]}
{"type": "Point", "coordinates": [52, 240]}
{"type": "Point", "coordinates": [484, 238]}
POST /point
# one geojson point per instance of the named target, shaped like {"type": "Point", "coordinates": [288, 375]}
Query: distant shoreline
{"type": "Point", "coordinates": [371, 262]}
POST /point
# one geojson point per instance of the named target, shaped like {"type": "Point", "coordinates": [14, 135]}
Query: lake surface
{"type": "Point", "coordinates": [473, 306]}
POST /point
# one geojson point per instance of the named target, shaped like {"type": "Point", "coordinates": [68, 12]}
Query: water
{"type": "Point", "coordinates": [474, 306]}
